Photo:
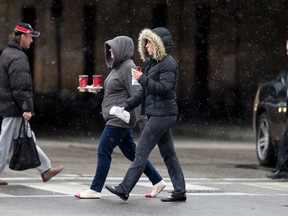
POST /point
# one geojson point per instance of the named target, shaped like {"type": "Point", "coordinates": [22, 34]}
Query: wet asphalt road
{"type": "Point", "coordinates": [222, 178]}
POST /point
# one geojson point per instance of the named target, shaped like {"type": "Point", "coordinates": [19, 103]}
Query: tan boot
{"type": "Point", "coordinates": [46, 176]}
{"type": "Point", "coordinates": [3, 182]}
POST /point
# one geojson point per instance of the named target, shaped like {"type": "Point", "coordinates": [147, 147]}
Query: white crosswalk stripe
{"type": "Point", "coordinates": [68, 185]}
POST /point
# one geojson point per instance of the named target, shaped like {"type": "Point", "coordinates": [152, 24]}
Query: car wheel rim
{"type": "Point", "coordinates": [263, 139]}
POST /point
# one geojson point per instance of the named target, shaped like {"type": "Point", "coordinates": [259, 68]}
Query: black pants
{"type": "Point", "coordinates": [282, 157]}
{"type": "Point", "coordinates": [157, 131]}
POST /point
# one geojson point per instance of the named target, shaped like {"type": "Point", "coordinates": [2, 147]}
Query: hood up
{"type": "Point", "coordinates": [160, 38]}
{"type": "Point", "coordinates": [123, 49]}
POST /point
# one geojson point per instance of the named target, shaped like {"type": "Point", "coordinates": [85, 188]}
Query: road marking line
{"type": "Point", "coordinates": [68, 185]}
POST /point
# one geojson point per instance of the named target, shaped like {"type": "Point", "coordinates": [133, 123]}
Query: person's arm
{"type": "Point", "coordinates": [164, 85]}
{"type": "Point", "coordinates": [133, 101]}
{"type": "Point", "coordinates": [135, 92]}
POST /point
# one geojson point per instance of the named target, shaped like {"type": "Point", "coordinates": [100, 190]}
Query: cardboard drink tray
{"type": "Point", "coordinates": [90, 88]}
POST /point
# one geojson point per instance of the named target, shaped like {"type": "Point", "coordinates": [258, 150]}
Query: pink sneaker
{"type": "Point", "coordinates": [156, 189]}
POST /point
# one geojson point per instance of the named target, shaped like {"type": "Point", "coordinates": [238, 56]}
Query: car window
{"type": "Point", "coordinates": [283, 75]}
{"type": "Point", "coordinates": [278, 86]}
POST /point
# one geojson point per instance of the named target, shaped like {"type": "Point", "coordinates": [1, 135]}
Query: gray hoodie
{"type": "Point", "coordinates": [117, 85]}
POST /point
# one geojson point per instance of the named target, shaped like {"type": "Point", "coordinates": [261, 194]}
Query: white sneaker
{"type": "Point", "coordinates": [156, 189]}
{"type": "Point", "coordinates": [88, 194]}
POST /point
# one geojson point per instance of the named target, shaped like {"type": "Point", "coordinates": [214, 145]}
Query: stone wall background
{"type": "Point", "coordinates": [244, 41]}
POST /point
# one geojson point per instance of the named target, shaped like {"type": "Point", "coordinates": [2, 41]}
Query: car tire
{"type": "Point", "coordinates": [264, 143]}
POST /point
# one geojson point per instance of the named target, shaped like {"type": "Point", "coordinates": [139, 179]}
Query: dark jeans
{"type": "Point", "coordinates": [282, 157]}
{"type": "Point", "coordinates": [156, 131]}
{"type": "Point", "coordinates": [123, 138]}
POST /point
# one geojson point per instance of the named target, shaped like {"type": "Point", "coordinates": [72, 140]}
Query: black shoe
{"type": "Point", "coordinates": [172, 198]}
{"type": "Point", "coordinates": [278, 174]}
{"type": "Point", "coordinates": [114, 190]}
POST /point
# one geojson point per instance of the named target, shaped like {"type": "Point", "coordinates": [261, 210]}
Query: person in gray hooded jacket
{"type": "Point", "coordinates": [117, 89]}
{"type": "Point", "coordinates": [158, 100]}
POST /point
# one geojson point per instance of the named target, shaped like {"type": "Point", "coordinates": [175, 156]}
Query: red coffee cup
{"type": "Point", "coordinates": [83, 81]}
{"type": "Point", "coordinates": [138, 68]}
{"type": "Point", "coordinates": [134, 81]}
{"type": "Point", "coordinates": [97, 80]}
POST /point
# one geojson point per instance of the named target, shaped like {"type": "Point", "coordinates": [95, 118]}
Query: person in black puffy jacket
{"type": "Point", "coordinates": [158, 99]}
{"type": "Point", "coordinates": [16, 97]}
{"type": "Point", "coordinates": [282, 155]}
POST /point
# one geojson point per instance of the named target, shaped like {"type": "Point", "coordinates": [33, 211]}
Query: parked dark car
{"type": "Point", "coordinates": [269, 116]}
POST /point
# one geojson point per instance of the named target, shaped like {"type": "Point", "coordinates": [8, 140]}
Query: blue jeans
{"type": "Point", "coordinates": [123, 138]}
{"type": "Point", "coordinates": [157, 131]}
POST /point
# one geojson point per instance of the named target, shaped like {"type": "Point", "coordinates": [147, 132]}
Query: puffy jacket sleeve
{"type": "Point", "coordinates": [134, 101]}
{"type": "Point", "coordinates": [133, 90]}
{"type": "Point", "coordinates": [164, 82]}
{"type": "Point", "coordinates": [21, 84]}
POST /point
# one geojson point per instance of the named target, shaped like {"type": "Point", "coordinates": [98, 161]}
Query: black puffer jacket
{"type": "Point", "coordinates": [15, 82]}
{"type": "Point", "coordinates": [158, 82]}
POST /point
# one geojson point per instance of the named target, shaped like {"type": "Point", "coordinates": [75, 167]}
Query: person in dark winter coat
{"type": "Point", "coordinates": [16, 100]}
{"type": "Point", "coordinates": [158, 99]}
{"type": "Point", "coordinates": [282, 156]}
{"type": "Point", "coordinates": [118, 88]}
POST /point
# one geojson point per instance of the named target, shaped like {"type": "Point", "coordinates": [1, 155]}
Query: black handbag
{"type": "Point", "coordinates": [25, 154]}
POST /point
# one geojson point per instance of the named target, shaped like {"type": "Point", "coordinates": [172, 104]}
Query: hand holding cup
{"type": "Point", "coordinates": [136, 72]}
